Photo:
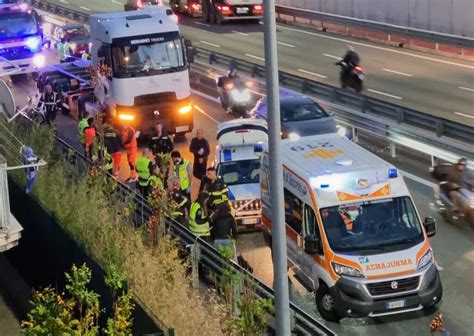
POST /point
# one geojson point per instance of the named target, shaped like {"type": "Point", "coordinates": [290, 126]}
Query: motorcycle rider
{"type": "Point", "coordinates": [223, 82]}
{"type": "Point", "coordinates": [351, 58]}
{"type": "Point", "coordinates": [454, 183]}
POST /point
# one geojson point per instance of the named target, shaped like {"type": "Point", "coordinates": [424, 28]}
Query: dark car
{"type": "Point", "coordinates": [78, 35]}
{"type": "Point", "coordinates": [300, 115]}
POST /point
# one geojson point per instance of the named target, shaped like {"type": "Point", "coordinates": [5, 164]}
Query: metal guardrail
{"type": "Point", "coordinates": [434, 130]}
{"type": "Point", "coordinates": [61, 11]}
{"type": "Point", "coordinates": [208, 256]}
{"type": "Point", "coordinates": [459, 41]}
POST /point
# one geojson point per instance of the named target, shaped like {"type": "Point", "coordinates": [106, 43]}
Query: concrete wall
{"type": "Point", "coordinates": [445, 16]}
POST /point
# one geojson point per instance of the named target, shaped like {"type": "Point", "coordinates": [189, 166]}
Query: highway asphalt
{"type": "Point", "coordinates": [453, 246]}
{"type": "Point", "coordinates": [437, 85]}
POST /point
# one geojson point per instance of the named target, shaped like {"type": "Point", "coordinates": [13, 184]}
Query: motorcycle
{"type": "Point", "coordinates": [235, 96]}
{"type": "Point", "coordinates": [444, 203]}
{"type": "Point", "coordinates": [351, 76]}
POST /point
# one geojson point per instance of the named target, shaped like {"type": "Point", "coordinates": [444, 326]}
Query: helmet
{"type": "Point", "coordinates": [351, 48]}
{"type": "Point", "coordinates": [462, 161]}
{"type": "Point", "coordinates": [232, 72]}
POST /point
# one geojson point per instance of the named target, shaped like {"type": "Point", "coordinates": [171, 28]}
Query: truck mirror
{"type": "Point", "coordinates": [190, 54]}
{"type": "Point", "coordinates": [430, 226]}
{"type": "Point", "coordinates": [312, 245]}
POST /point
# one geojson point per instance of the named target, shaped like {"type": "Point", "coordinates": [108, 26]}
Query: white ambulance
{"type": "Point", "coordinates": [241, 143]}
{"type": "Point", "coordinates": [353, 232]}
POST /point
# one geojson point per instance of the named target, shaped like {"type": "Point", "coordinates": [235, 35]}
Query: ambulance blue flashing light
{"type": "Point", "coordinates": [227, 154]}
{"type": "Point", "coordinates": [258, 148]}
{"type": "Point", "coordinates": [323, 186]}
{"type": "Point", "coordinates": [393, 173]}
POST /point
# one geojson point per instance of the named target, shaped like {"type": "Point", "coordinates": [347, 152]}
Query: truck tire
{"type": "Point", "coordinates": [325, 303]}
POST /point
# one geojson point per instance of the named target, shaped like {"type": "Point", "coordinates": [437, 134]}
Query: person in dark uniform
{"type": "Point", "coordinates": [160, 142]}
{"type": "Point", "coordinates": [215, 190]}
{"type": "Point", "coordinates": [180, 213]}
{"type": "Point", "coordinates": [224, 228]}
{"type": "Point", "coordinates": [51, 102]}
{"type": "Point", "coordinates": [200, 148]}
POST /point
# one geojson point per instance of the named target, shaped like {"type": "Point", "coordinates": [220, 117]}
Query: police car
{"type": "Point", "coordinates": [300, 115]}
{"type": "Point", "coordinates": [240, 145]}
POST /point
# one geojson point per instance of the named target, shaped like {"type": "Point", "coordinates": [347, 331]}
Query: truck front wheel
{"type": "Point", "coordinates": [326, 303]}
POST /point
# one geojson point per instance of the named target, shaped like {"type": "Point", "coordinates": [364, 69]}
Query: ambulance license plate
{"type": "Point", "coordinates": [249, 221]}
{"type": "Point", "coordinates": [242, 10]}
{"type": "Point", "coordinates": [396, 304]}
{"type": "Point", "coordinates": [181, 129]}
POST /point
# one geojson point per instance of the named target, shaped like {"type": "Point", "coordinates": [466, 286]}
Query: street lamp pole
{"type": "Point", "coordinates": [280, 282]}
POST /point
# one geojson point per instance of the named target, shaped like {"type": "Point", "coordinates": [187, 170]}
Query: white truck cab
{"type": "Point", "coordinates": [353, 233]}
{"type": "Point", "coordinates": [241, 143]}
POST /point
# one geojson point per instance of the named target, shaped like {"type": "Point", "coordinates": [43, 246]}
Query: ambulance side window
{"type": "Point", "coordinates": [310, 222]}
{"type": "Point", "coordinates": [293, 211]}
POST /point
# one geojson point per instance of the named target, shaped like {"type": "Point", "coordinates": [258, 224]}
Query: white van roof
{"type": "Point", "coordinates": [241, 132]}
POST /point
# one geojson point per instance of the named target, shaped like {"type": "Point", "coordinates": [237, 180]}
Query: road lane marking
{"type": "Point", "coordinates": [206, 114]}
{"type": "Point", "coordinates": [466, 88]}
{"type": "Point", "coordinates": [332, 56]}
{"type": "Point", "coordinates": [256, 57]}
{"type": "Point", "coordinates": [464, 115]}
{"type": "Point", "coordinates": [379, 48]}
{"type": "Point", "coordinates": [210, 44]}
{"type": "Point", "coordinates": [286, 44]}
{"type": "Point", "coordinates": [85, 8]}
{"type": "Point", "coordinates": [208, 97]}
{"type": "Point", "coordinates": [397, 72]}
{"type": "Point", "coordinates": [384, 94]}
{"type": "Point", "coordinates": [64, 2]}
{"type": "Point", "coordinates": [312, 73]}
{"type": "Point", "coordinates": [117, 2]}
{"type": "Point", "coordinates": [240, 33]}
{"type": "Point", "coordinates": [202, 24]}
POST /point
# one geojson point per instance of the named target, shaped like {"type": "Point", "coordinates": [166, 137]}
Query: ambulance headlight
{"type": "Point", "coordinates": [426, 260]}
{"type": "Point", "coordinates": [346, 270]}
{"type": "Point", "coordinates": [341, 130]}
{"type": "Point", "coordinates": [293, 136]}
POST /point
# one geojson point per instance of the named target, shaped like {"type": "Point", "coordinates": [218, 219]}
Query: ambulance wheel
{"type": "Point", "coordinates": [326, 304]}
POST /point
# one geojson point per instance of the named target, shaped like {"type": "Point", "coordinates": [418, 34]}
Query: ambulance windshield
{"type": "Point", "coordinates": [373, 226]}
{"type": "Point", "coordinates": [240, 172]}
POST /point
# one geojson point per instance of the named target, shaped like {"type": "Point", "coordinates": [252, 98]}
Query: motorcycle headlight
{"type": "Point", "coordinates": [426, 260]}
{"type": "Point", "coordinates": [240, 96]}
{"type": "Point", "coordinates": [346, 270]}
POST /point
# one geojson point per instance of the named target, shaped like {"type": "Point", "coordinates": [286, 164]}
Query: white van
{"type": "Point", "coordinates": [241, 143]}
{"type": "Point", "coordinates": [353, 232]}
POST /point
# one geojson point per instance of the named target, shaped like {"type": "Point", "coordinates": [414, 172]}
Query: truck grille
{"type": "Point", "coordinates": [251, 206]}
{"type": "Point", "coordinates": [389, 287]}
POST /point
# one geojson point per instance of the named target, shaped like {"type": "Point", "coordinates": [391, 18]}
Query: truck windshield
{"type": "Point", "coordinates": [17, 25]}
{"type": "Point", "coordinates": [240, 172]}
{"type": "Point", "coordinates": [372, 227]}
{"type": "Point", "coordinates": [136, 60]}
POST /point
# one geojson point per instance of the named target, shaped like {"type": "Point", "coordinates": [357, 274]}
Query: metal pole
{"type": "Point", "coordinates": [280, 276]}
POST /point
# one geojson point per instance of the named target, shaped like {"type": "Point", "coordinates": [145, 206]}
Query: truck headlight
{"type": "Point", "coordinates": [185, 109]}
{"type": "Point", "coordinates": [426, 260]}
{"type": "Point", "coordinates": [39, 61]}
{"type": "Point", "coordinates": [33, 43]}
{"type": "Point", "coordinates": [346, 270]}
{"type": "Point", "coordinates": [126, 117]}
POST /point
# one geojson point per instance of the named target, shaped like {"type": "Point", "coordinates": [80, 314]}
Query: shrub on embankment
{"type": "Point", "coordinates": [86, 206]}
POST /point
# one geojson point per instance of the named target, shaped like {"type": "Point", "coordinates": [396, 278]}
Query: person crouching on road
{"type": "Point", "coordinates": [198, 219]}
{"type": "Point", "coordinates": [129, 141]}
{"type": "Point", "coordinates": [113, 146]}
{"type": "Point", "coordinates": [145, 171]}
{"type": "Point", "coordinates": [182, 169]}
{"type": "Point", "coordinates": [180, 213]}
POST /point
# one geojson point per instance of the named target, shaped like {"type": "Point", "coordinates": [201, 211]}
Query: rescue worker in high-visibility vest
{"type": "Point", "coordinates": [144, 169]}
{"type": "Point", "coordinates": [85, 55]}
{"type": "Point", "coordinates": [51, 102]}
{"type": "Point", "coordinates": [129, 140]}
{"type": "Point", "coordinates": [67, 50]}
{"type": "Point", "coordinates": [181, 210]}
{"type": "Point", "coordinates": [81, 126]}
{"type": "Point", "coordinates": [215, 190]}
{"type": "Point", "coordinates": [90, 134]}
{"type": "Point", "coordinates": [198, 219]}
{"type": "Point", "coordinates": [183, 170]}
{"type": "Point", "coordinates": [60, 50]}
{"type": "Point", "coordinates": [113, 144]}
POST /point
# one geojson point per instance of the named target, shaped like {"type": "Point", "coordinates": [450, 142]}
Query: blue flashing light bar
{"type": "Point", "coordinates": [227, 154]}
{"type": "Point", "coordinates": [393, 173]}
{"type": "Point", "coordinates": [258, 148]}
{"type": "Point", "coordinates": [323, 186]}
